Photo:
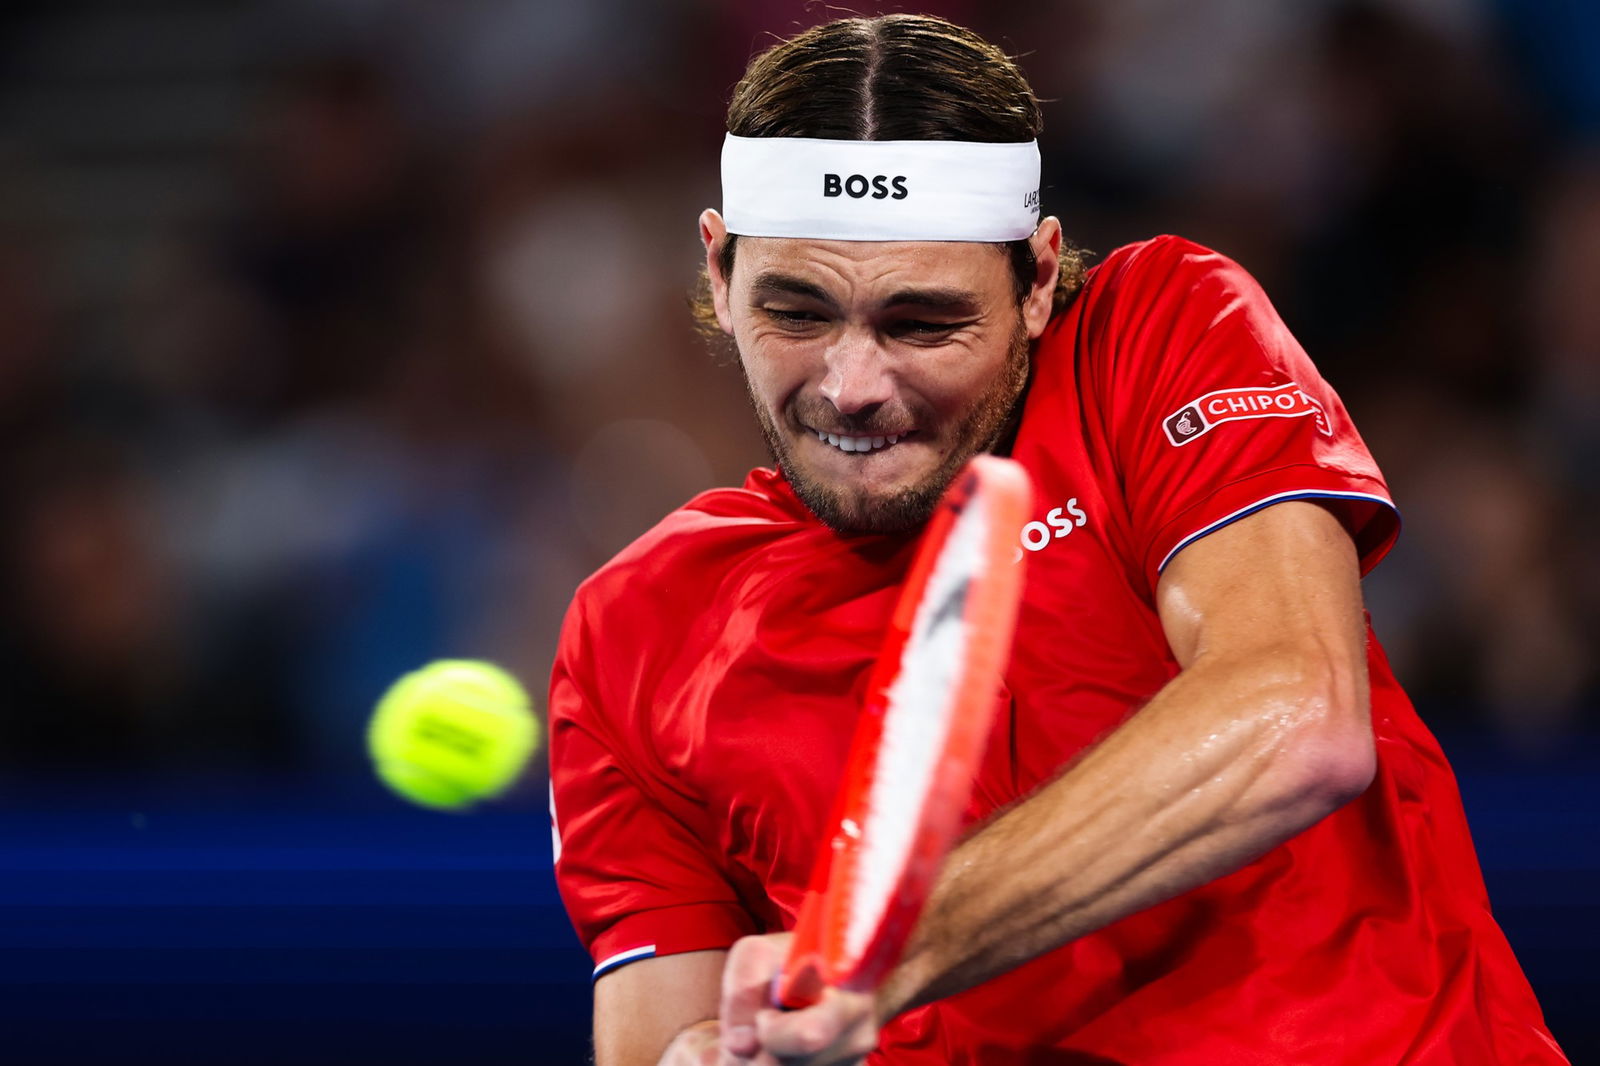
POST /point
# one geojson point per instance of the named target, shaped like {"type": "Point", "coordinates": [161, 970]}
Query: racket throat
{"type": "Point", "coordinates": [801, 981]}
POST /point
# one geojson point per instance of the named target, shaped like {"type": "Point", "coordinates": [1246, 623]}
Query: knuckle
{"type": "Point", "coordinates": [813, 1036]}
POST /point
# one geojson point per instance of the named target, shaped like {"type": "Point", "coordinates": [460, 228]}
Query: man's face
{"type": "Point", "coordinates": [877, 368]}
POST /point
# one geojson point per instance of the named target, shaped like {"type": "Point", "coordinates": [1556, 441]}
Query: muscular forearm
{"type": "Point", "coordinates": [1230, 759]}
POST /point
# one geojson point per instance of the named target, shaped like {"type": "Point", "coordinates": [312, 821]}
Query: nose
{"type": "Point", "coordinates": [858, 376]}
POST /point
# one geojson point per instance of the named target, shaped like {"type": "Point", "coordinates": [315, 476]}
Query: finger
{"type": "Point", "coordinates": [839, 1027]}
{"type": "Point", "coordinates": [746, 983]}
{"type": "Point", "coordinates": [791, 1034]}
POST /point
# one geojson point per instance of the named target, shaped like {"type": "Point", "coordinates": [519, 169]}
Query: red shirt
{"type": "Point", "coordinates": [709, 677]}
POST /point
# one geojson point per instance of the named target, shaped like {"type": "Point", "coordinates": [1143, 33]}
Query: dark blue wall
{"type": "Point", "coordinates": [266, 921]}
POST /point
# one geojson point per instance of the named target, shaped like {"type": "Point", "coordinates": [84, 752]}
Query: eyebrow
{"type": "Point", "coordinates": [770, 284]}
{"type": "Point", "coordinates": [947, 300]}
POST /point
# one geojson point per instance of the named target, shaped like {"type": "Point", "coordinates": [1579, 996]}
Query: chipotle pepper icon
{"type": "Point", "coordinates": [1185, 425]}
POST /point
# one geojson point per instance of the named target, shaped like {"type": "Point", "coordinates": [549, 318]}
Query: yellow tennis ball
{"type": "Point", "coordinates": [452, 733]}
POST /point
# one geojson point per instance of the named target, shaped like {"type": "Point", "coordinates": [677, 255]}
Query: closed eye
{"type": "Point", "coordinates": [791, 319]}
{"type": "Point", "coordinates": [919, 328]}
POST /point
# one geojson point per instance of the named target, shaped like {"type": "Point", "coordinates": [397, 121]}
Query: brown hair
{"type": "Point", "coordinates": [891, 78]}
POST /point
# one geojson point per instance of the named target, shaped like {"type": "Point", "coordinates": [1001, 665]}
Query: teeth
{"type": "Point", "coordinates": [857, 444]}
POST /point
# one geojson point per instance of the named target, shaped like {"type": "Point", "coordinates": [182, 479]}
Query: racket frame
{"type": "Point", "coordinates": [818, 956]}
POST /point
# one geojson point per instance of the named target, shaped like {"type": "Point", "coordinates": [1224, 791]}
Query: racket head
{"type": "Point", "coordinates": [927, 715]}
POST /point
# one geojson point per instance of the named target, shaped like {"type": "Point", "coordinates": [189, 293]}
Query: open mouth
{"type": "Point", "coordinates": [860, 444]}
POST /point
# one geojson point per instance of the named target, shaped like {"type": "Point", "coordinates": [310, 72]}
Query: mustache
{"type": "Point", "coordinates": [878, 422]}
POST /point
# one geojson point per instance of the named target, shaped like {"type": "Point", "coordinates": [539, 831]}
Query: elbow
{"type": "Point", "coordinates": [1334, 759]}
{"type": "Point", "coordinates": [1344, 771]}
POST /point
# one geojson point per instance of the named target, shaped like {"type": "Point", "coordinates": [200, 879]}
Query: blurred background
{"type": "Point", "coordinates": [341, 335]}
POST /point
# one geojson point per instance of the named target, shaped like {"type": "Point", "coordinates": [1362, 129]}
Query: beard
{"type": "Point", "coordinates": [848, 510]}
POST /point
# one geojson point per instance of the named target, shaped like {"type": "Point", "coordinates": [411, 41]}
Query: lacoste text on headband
{"type": "Point", "coordinates": [880, 190]}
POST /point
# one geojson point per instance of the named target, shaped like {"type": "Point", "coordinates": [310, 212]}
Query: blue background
{"type": "Point", "coordinates": [276, 921]}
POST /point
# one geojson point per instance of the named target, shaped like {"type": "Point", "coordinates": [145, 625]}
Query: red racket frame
{"type": "Point", "coordinates": [817, 957]}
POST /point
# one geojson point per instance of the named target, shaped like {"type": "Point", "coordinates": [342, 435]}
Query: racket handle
{"type": "Point", "coordinates": [799, 984]}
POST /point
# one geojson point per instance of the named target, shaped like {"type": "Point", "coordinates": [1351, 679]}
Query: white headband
{"type": "Point", "coordinates": [880, 190]}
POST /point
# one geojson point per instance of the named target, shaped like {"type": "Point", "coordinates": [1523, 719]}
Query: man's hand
{"type": "Point", "coordinates": [840, 1029]}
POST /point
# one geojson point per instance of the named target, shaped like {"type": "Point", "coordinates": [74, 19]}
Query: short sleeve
{"type": "Point", "coordinates": [637, 880]}
{"type": "Point", "coordinates": [1214, 409]}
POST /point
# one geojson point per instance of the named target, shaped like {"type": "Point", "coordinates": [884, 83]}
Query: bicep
{"type": "Point", "coordinates": [1284, 580]}
{"type": "Point", "coordinates": [640, 1007]}
{"type": "Point", "coordinates": [1269, 609]}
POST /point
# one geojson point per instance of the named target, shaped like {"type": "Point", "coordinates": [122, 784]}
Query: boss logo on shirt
{"type": "Point", "coordinates": [855, 186]}
{"type": "Point", "coordinates": [1198, 417]}
{"type": "Point", "coordinates": [1058, 522]}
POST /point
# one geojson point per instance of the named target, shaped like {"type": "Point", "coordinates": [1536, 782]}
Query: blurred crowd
{"type": "Point", "coordinates": [340, 336]}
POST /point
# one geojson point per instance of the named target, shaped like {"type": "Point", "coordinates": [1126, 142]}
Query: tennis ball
{"type": "Point", "coordinates": [452, 733]}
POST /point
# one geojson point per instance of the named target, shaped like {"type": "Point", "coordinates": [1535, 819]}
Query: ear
{"type": "Point", "coordinates": [713, 232]}
{"type": "Point", "coordinates": [1040, 302]}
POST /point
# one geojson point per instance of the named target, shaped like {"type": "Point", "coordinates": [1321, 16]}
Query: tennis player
{"type": "Point", "coordinates": [1209, 828]}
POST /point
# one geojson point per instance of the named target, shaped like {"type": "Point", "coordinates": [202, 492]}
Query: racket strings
{"type": "Point", "coordinates": [921, 704]}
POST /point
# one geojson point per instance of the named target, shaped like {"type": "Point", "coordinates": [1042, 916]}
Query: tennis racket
{"type": "Point", "coordinates": [929, 707]}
